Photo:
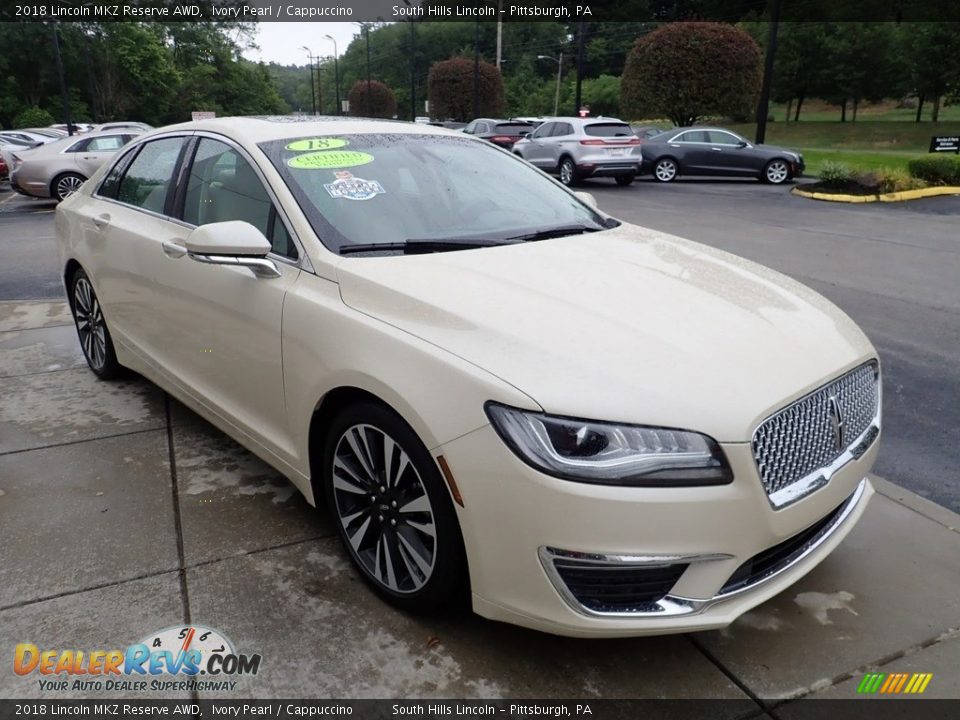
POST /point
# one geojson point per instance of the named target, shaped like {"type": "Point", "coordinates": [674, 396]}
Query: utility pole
{"type": "Point", "coordinates": [64, 95]}
{"type": "Point", "coordinates": [367, 32]}
{"type": "Point", "coordinates": [499, 31]}
{"type": "Point", "coordinates": [578, 101]}
{"type": "Point", "coordinates": [763, 107]}
{"type": "Point", "coordinates": [313, 91]}
{"type": "Point", "coordinates": [476, 70]}
{"type": "Point", "coordinates": [413, 71]}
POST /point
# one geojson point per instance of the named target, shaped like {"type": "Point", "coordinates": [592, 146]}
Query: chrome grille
{"type": "Point", "coordinates": [801, 439]}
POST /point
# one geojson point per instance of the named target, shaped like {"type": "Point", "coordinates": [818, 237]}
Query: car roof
{"type": "Point", "coordinates": [262, 129]}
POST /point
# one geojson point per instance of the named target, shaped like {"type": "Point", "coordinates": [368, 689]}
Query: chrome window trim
{"type": "Point", "coordinates": [302, 261]}
{"type": "Point", "coordinates": [674, 605]}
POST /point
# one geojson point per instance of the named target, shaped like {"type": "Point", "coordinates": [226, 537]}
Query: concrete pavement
{"type": "Point", "coordinates": [123, 513]}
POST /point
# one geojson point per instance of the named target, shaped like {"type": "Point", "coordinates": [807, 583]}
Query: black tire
{"type": "Point", "coordinates": [95, 340]}
{"type": "Point", "coordinates": [624, 180]}
{"type": "Point", "coordinates": [666, 170]}
{"type": "Point", "coordinates": [776, 172]}
{"type": "Point", "coordinates": [568, 172]}
{"type": "Point", "coordinates": [65, 184]}
{"type": "Point", "coordinates": [392, 547]}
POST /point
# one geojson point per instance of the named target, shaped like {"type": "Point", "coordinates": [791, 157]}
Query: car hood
{"type": "Point", "coordinates": [776, 150]}
{"type": "Point", "coordinates": [627, 325]}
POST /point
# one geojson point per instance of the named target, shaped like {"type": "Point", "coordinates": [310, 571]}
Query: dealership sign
{"type": "Point", "coordinates": [945, 143]}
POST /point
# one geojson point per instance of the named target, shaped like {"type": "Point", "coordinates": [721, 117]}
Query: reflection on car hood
{"type": "Point", "coordinates": [627, 325]}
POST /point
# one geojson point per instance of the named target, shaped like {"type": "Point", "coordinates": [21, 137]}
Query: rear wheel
{"type": "Point", "coordinates": [665, 170]}
{"type": "Point", "coordinates": [568, 172]}
{"type": "Point", "coordinates": [392, 508]}
{"type": "Point", "coordinates": [776, 172]}
{"type": "Point", "coordinates": [624, 180]}
{"type": "Point", "coordinates": [66, 185]}
{"type": "Point", "coordinates": [92, 329]}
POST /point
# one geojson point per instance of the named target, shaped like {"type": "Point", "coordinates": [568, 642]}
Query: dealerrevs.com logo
{"type": "Point", "coordinates": [177, 658]}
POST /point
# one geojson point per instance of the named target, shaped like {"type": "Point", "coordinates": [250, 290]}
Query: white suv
{"type": "Point", "coordinates": [577, 148]}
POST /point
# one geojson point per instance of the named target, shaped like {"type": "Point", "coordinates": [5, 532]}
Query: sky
{"type": "Point", "coordinates": [282, 42]}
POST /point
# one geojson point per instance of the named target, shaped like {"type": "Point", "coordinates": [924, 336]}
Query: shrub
{"type": "Point", "coordinates": [936, 169]}
{"type": "Point", "coordinates": [836, 173]}
{"type": "Point", "coordinates": [691, 70]}
{"type": "Point", "coordinates": [450, 87]}
{"type": "Point", "coordinates": [895, 180]}
{"type": "Point", "coordinates": [33, 117]}
{"type": "Point", "coordinates": [383, 104]}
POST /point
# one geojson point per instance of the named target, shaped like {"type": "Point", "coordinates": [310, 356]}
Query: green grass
{"type": "Point", "coordinates": [815, 159]}
{"type": "Point", "coordinates": [886, 111]}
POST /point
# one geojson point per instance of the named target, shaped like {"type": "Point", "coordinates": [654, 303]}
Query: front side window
{"type": "Point", "coordinates": [223, 186]}
{"type": "Point", "coordinates": [544, 130]}
{"type": "Point", "coordinates": [385, 188]}
{"type": "Point", "coordinates": [719, 137]}
{"type": "Point", "coordinates": [150, 175]}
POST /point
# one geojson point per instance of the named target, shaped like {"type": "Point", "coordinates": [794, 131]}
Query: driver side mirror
{"type": "Point", "coordinates": [742, 144]}
{"type": "Point", "coordinates": [233, 242]}
{"type": "Point", "coordinates": [586, 198]}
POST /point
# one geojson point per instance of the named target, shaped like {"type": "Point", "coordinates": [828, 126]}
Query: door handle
{"type": "Point", "coordinates": [172, 249]}
{"type": "Point", "coordinates": [717, 149]}
{"type": "Point", "coordinates": [101, 221]}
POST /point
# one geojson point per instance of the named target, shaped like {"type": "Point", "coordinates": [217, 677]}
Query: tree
{"type": "Point", "coordinates": [33, 117]}
{"type": "Point", "coordinates": [383, 103]}
{"type": "Point", "coordinates": [602, 94]}
{"type": "Point", "coordinates": [932, 52]}
{"type": "Point", "coordinates": [689, 70]}
{"type": "Point", "coordinates": [450, 87]}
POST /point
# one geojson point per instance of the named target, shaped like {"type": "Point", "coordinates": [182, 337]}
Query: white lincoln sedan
{"type": "Point", "coordinates": [597, 428]}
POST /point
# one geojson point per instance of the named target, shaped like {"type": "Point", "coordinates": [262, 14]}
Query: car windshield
{"type": "Point", "coordinates": [363, 189]}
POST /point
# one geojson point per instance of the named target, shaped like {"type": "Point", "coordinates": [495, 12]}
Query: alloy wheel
{"type": "Point", "coordinates": [68, 185]}
{"type": "Point", "coordinates": [777, 172]}
{"type": "Point", "coordinates": [90, 324]}
{"type": "Point", "coordinates": [384, 509]}
{"type": "Point", "coordinates": [566, 172]}
{"type": "Point", "coordinates": [665, 171]}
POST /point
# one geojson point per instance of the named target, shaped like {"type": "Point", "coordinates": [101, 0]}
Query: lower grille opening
{"type": "Point", "coordinates": [617, 588]}
{"type": "Point", "coordinates": [774, 558]}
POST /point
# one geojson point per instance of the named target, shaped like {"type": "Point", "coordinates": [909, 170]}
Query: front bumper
{"type": "Point", "coordinates": [516, 520]}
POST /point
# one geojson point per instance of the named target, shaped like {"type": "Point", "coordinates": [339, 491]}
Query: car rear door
{"type": "Point", "coordinates": [97, 151]}
{"type": "Point", "coordinates": [696, 156]}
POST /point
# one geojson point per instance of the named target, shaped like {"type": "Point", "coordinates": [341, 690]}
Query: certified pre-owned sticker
{"type": "Point", "coordinates": [329, 160]}
{"type": "Point", "coordinates": [324, 143]}
{"type": "Point", "coordinates": [353, 188]}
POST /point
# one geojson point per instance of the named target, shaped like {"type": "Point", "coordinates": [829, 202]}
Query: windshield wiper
{"type": "Point", "coordinates": [555, 232]}
{"type": "Point", "coordinates": [416, 246]}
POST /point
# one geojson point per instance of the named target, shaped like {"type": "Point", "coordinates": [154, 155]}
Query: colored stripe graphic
{"type": "Point", "coordinates": [894, 683]}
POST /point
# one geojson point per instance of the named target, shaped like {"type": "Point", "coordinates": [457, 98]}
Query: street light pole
{"type": "Point", "coordinates": [763, 107]}
{"type": "Point", "coordinates": [367, 32]}
{"type": "Point", "coordinates": [476, 70]}
{"type": "Point", "coordinates": [559, 62]}
{"type": "Point", "coordinates": [313, 93]}
{"type": "Point", "coordinates": [336, 69]}
{"type": "Point", "coordinates": [579, 96]}
{"type": "Point", "coordinates": [64, 95]}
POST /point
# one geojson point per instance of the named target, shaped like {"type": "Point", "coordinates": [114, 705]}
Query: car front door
{"type": "Point", "coordinates": [555, 144]}
{"type": "Point", "coordinates": [535, 151]}
{"type": "Point", "coordinates": [730, 155]}
{"type": "Point", "coordinates": [219, 328]}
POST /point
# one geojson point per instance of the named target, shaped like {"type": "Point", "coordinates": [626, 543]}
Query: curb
{"type": "Point", "coordinates": [884, 197]}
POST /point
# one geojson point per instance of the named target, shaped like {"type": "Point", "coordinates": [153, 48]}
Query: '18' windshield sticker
{"type": "Point", "coordinates": [317, 144]}
{"type": "Point", "coordinates": [329, 160]}
{"type": "Point", "coordinates": [353, 188]}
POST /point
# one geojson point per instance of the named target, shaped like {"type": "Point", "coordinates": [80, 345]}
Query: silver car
{"type": "Point", "coordinates": [577, 148]}
{"type": "Point", "coordinates": [57, 169]}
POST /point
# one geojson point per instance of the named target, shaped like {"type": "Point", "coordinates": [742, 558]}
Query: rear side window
{"type": "Point", "coordinates": [107, 143]}
{"type": "Point", "coordinates": [562, 129]}
{"type": "Point", "coordinates": [608, 129]}
{"type": "Point", "coordinates": [148, 179]}
{"type": "Point", "coordinates": [513, 128]}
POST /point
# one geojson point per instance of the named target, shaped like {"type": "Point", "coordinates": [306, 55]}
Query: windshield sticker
{"type": "Point", "coordinates": [353, 188]}
{"type": "Point", "coordinates": [329, 160]}
{"type": "Point", "coordinates": [328, 143]}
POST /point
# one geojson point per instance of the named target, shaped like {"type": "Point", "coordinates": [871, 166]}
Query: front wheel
{"type": "Point", "coordinates": [568, 172]}
{"type": "Point", "coordinates": [92, 329]}
{"type": "Point", "coordinates": [665, 170]}
{"type": "Point", "coordinates": [393, 511]}
{"type": "Point", "coordinates": [776, 172]}
{"type": "Point", "coordinates": [624, 180]}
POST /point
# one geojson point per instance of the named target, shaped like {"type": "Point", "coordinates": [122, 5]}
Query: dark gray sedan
{"type": "Point", "coordinates": [715, 151]}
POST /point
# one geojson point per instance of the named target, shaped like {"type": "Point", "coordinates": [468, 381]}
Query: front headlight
{"type": "Point", "coordinates": [610, 454]}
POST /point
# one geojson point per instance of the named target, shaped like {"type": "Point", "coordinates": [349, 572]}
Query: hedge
{"type": "Point", "coordinates": [936, 169]}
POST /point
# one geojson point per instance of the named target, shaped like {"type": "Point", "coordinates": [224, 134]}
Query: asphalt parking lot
{"type": "Point", "coordinates": [124, 513]}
